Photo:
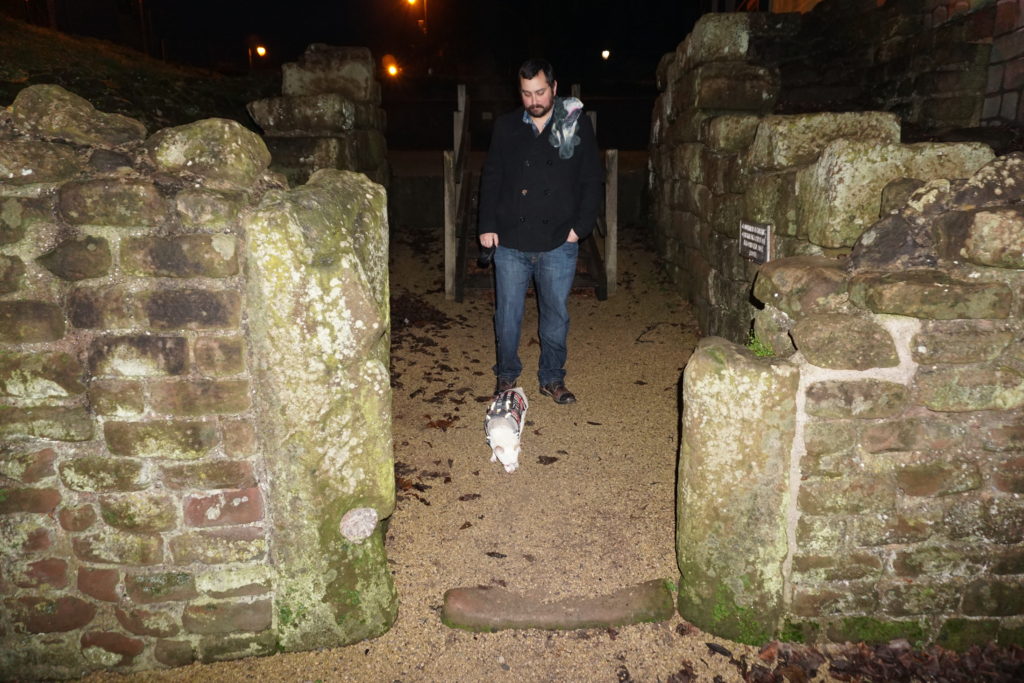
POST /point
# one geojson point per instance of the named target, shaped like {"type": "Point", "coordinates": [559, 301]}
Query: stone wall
{"type": "Point", "coordinates": [194, 405]}
{"type": "Point", "coordinates": [719, 157]}
{"type": "Point", "coordinates": [865, 482]}
{"type": "Point", "coordinates": [938, 64]}
{"type": "Point", "coordinates": [328, 115]}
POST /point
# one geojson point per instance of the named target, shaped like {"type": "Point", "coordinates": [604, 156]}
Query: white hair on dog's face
{"type": "Point", "coordinates": [504, 448]}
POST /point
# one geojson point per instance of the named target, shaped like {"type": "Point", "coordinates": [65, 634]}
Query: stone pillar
{"type": "Point", "coordinates": [328, 116]}
{"type": "Point", "coordinates": [739, 419]}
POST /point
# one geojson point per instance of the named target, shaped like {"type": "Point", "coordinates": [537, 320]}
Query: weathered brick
{"type": "Point", "coordinates": [51, 571]}
{"type": "Point", "coordinates": [844, 342]}
{"type": "Point", "coordinates": [930, 295]}
{"type": "Point", "coordinates": [148, 622]}
{"type": "Point", "coordinates": [821, 535]}
{"type": "Point", "coordinates": [103, 474]}
{"type": "Point", "coordinates": [43, 615]}
{"type": "Point", "coordinates": [174, 653]}
{"type": "Point", "coordinates": [831, 465]}
{"type": "Point", "coordinates": [1009, 475]}
{"type": "Point", "coordinates": [46, 422]}
{"type": "Point", "coordinates": [218, 474]}
{"type": "Point", "coordinates": [869, 398]}
{"type": "Point", "coordinates": [874, 630]}
{"type": "Point", "coordinates": [845, 567]}
{"type": "Point", "coordinates": [33, 538]}
{"type": "Point", "coordinates": [139, 513]}
{"type": "Point", "coordinates": [29, 466]}
{"type": "Point", "coordinates": [995, 519]}
{"type": "Point", "coordinates": [904, 527]}
{"type": "Point", "coordinates": [825, 600]}
{"type": "Point", "coordinates": [937, 477]}
{"type": "Point", "coordinates": [912, 434]}
{"type": "Point", "coordinates": [116, 397]}
{"type": "Point", "coordinates": [114, 643]}
{"type": "Point", "coordinates": [1007, 560]}
{"type": "Point", "coordinates": [996, 238]}
{"type": "Point", "coordinates": [847, 495]}
{"type": "Point", "coordinates": [239, 437]}
{"type": "Point", "coordinates": [107, 308]}
{"type": "Point", "coordinates": [99, 583]}
{"type": "Point", "coordinates": [78, 258]}
{"type": "Point", "coordinates": [40, 501]}
{"type": "Point", "coordinates": [12, 272]}
{"type": "Point", "coordinates": [241, 544]}
{"type": "Point", "coordinates": [227, 616]}
{"type": "Point", "coordinates": [25, 322]}
{"type": "Point", "coordinates": [40, 375]}
{"type": "Point", "coordinates": [200, 397]}
{"type": "Point", "coordinates": [160, 587]}
{"type": "Point", "coordinates": [235, 582]}
{"type": "Point", "coordinates": [109, 546]}
{"type": "Point", "coordinates": [161, 439]}
{"type": "Point", "coordinates": [28, 162]}
{"type": "Point", "coordinates": [218, 356]}
{"type": "Point", "coordinates": [111, 202]}
{"type": "Point", "coordinates": [227, 507]}
{"type": "Point", "coordinates": [222, 647]}
{"type": "Point", "coordinates": [969, 387]}
{"type": "Point", "coordinates": [945, 559]}
{"type": "Point", "coordinates": [961, 634]}
{"type": "Point", "coordinates": [138, 356]}
{"type": "Point", "coordinates": [193, 309]}
{"type": "Point", "coordinates": [181, 256]}
{"type": "Point", "coordinates": [1002, 431]}
{"type": "Point", "coordinates": [208, 209]}
{"type": "Point", "coordinates": [960, 341]}
{"type": "Point", "coordinates": [77, 518]}
{"type": "Point", "coordinates": [908, 598]}
{"type": "Point", "coordinates": [989, 597]}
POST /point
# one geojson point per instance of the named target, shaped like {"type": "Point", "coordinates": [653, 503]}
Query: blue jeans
{"type": "Point", "coordinates": [552, 273]}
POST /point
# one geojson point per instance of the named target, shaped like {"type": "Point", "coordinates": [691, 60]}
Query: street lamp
{"type": "Point", "coordinates": [422, 22]}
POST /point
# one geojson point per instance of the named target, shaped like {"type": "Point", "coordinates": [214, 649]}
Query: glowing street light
{"type": "Point", "coordinates": [261, 51]}
{"type": "Point", "coordinates": [605, 54]}
{"type": "Point", "coordinates": [422, 22]}
{"type": "Point", "coordinates": [390, 65]}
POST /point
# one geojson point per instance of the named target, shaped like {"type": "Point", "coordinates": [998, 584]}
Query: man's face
{"type": "Point", "coordinates": [538, 95]}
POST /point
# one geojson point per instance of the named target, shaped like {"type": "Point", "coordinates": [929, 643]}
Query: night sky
{"type": "Point", "coordinates": [468, 40]}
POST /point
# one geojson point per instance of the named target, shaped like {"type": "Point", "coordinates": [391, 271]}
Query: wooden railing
{"type": "Point", "coordinates": [457, 192]}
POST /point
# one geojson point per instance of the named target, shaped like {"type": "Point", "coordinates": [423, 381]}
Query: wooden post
{"type": "Point", "coordinates": [450, 215]}
{"type": "Point", "coordinates": [611, 218]}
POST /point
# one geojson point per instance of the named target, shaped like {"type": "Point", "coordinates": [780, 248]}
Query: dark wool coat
{"type": "Point", "coordinates": [530, 196]}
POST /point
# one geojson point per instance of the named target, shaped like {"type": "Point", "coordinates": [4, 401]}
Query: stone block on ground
{"type": "Point", "coordinates": [495, 609]}
{"type": "Point", "coordinates": [802, 285]}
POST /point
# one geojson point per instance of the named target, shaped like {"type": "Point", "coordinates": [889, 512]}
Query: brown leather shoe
{"type": "Point", "coordinates": [504, 385]}
{"type": "Point", "coordinates": [558, 392]}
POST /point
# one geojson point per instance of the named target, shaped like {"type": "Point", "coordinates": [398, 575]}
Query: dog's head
{"type": "Point", "coordinates": [504, 448]}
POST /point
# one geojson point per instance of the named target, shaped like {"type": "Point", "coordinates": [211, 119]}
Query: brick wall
{"type": "Point", "coordinates": [883, 485]}
{"type": "Point", "coordinates": [136, 522]}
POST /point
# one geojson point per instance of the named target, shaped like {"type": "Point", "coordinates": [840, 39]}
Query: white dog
{"type": "Point", "coordinates": [503, 425]}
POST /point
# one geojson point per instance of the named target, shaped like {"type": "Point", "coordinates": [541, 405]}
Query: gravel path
{"type": "Point", "coordinates": [590, 510]}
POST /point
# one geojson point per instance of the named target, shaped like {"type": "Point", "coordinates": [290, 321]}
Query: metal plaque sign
{"type": "Point", "coordinates": [755, 241]}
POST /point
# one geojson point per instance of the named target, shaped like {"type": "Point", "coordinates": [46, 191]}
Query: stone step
{"type": "Point", "coordinates": [493, 609]}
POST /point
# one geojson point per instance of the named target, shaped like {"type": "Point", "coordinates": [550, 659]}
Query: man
{"type": "Point", "coordinates": [539, 196]}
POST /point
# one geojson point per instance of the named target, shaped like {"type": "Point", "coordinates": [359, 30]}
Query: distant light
{"type": "Point", "coordinates": [605, 54]}
{"type": "Point", "coordinates": [392, 70]}
{"type": "Point", "coordinates": [411, 2]}
{"type": "Point", "coordinates": [261, 51]}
